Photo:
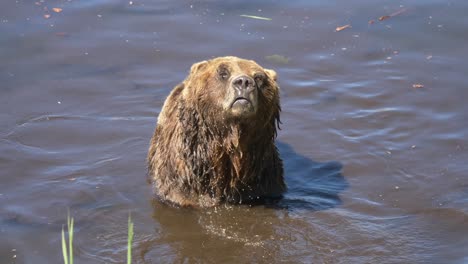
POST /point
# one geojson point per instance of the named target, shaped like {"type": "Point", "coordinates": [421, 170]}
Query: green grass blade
{"type": "Point", "coordinates": [256, 17]}
{"type": "Point", "coordinates": [70, 241]}
{"type": "Point", "coordinates": [130, 240]}
{"type": "Point", "coordinates": [64, 248]}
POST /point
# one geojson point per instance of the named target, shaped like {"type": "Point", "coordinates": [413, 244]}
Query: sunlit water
{"type": "Point", "coordinates": [376, 168]}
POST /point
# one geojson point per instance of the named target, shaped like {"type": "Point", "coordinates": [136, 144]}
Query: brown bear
{"type": "Point", "coordinates": [215, 137]}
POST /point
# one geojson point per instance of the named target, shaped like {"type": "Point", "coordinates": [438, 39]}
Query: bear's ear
{"type": "Point", "coordinates": [198, 66]}
{"type": "Point", "coordinates": [271, 74]}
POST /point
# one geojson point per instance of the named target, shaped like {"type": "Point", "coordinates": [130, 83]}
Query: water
{"type": "Point", "coordinates": [376, 169]}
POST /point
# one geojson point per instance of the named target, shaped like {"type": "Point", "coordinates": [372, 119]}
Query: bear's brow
{"type": "Point", "coordinates": [260, 74]}
{"type": "Point", "coordinates": [249, 67]}
{"type": "Point", "coordinates": [224, 66]}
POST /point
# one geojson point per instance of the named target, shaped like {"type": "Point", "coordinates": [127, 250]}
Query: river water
{"type": "Point", "coordinates": [374, 133]}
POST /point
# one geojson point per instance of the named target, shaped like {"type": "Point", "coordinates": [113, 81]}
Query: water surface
{"type": "Point", "coordinates": [377, 169]}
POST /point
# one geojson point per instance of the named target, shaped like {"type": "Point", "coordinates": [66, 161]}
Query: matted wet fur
{"type": "Point", "coordinates": [214, 139]}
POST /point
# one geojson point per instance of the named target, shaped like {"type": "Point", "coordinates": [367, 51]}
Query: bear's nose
{"type": "Point", "coordinates": [243, 83]}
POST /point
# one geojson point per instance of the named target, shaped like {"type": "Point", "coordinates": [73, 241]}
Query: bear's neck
{"type": "Point", "coordinates": [238, 159]}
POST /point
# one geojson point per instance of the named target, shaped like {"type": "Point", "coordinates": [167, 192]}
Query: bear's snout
{"type": "Point", "coordinates": [244, 96]}
{"type": "Point", "coordinates": [243, 84]}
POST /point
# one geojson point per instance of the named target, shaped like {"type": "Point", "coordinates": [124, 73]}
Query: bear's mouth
{"type": "Point", "coordinates": [242, 106]}
{"type": "Point", "coordinates": [241, 101]}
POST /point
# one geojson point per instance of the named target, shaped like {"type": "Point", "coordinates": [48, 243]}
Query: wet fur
{"type": "Point", "coordinates": [199, 157]}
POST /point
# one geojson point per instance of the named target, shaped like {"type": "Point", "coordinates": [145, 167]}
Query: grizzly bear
{"type": "Point", "coordinates": [214, 140]}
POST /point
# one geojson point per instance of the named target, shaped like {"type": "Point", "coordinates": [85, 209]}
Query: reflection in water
{"type": "Point", "coordinates": [193, 233]}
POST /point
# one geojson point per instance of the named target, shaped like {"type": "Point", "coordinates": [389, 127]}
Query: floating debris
{"type": "Point", "coordinates": [62, 34]}
{"type": "Point", "coordinates": [418, 85]}
{"type": "Point", "coordinates": [338, 29]}
{"type": "Point", "coordinates": [46, 16]}
{"type": "Point", "coordinates": [277, 59]}
{"type": "Point", "coordinates": [382, 18]}
{"type": "Point", "coordinates": [396, 13]}
{"type": "Point", "coordinates": [401, 11]}
{"type": "Point", "coordinates": [57, 9]}
{"type": "Point", "coordinates": [256, 17]}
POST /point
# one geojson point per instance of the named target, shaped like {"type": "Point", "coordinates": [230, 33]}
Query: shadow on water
{"type": "Point", "coordinates": [193, 234]}
{"type": "Point", "coordinates": [311, 185]}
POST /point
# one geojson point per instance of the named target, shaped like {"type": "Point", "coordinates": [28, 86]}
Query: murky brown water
{"type": "Point", "coordinates": [377, 170]}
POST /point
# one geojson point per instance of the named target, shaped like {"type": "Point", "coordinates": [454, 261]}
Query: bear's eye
{"type": "Point", "coordinates": [223, 73]}
{"type": "Point", "coordinates": [259, 79]}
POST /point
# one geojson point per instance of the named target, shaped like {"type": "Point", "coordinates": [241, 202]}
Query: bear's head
{"type": "Point", "coordinates": [233, 90]}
